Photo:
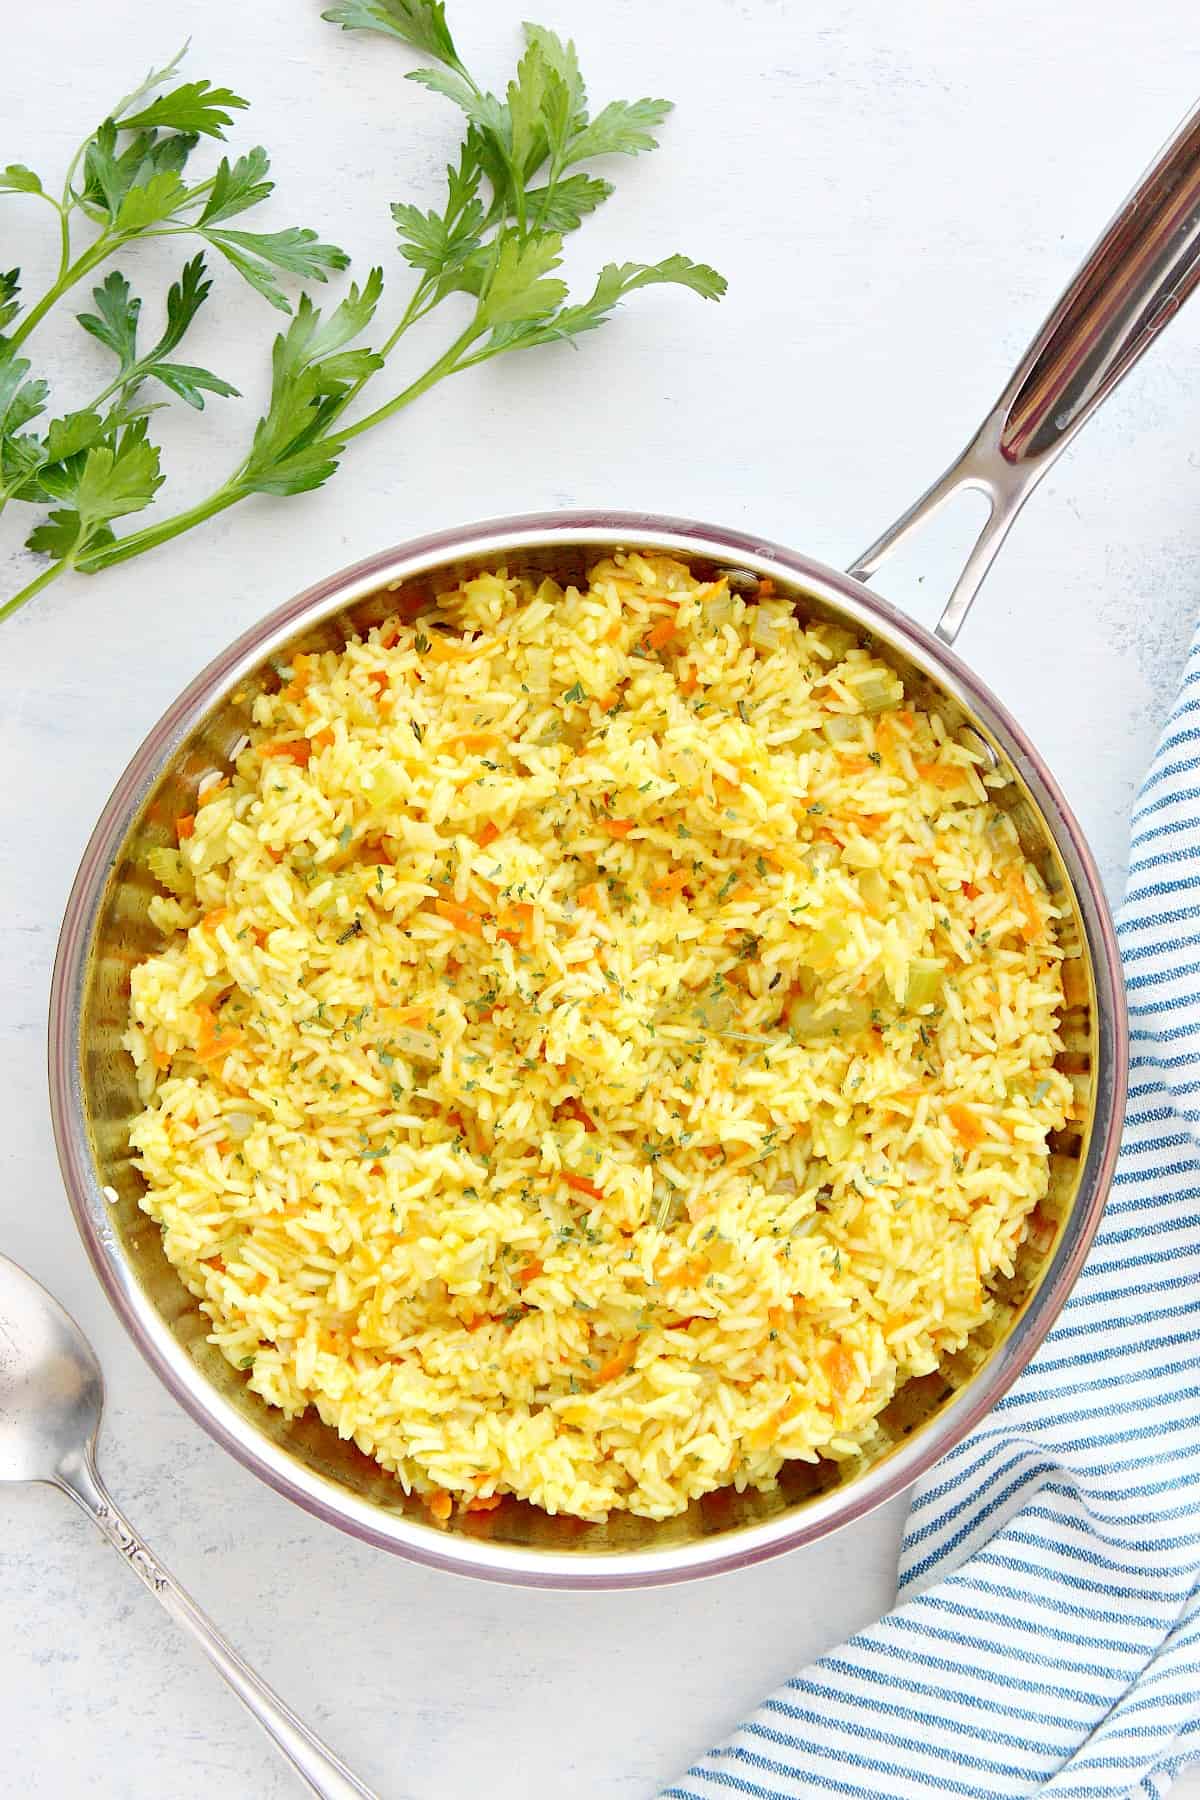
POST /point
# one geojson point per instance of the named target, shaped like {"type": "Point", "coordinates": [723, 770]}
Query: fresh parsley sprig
{"type": "Point", "coordinates": [493, 249]}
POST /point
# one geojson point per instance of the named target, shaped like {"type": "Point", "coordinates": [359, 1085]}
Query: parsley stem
{"type": "Point", "coordinates": [232, 491]}
{"type": "Point", "coordinates": [48, 574]}
{"type": "Point", "coordinates": [446, 364]}
{"type": "Point", "coordinates": [83, 265]}
{"type": "Point", "coordinates": [161, 533]}
{"type": "Point", "coordinates": [64, 240]}
{"type": "Point", "coordinates": [422, 300]}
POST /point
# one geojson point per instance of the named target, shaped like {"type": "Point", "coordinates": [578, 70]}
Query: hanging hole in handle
{"type": "Point", "coordinates": [921, 575]}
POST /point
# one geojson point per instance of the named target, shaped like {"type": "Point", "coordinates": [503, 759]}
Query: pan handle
{"type": "Point", "coordinates": [1131, 284]}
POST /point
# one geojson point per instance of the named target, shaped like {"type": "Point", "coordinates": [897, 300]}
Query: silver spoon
{"type": "Point", "coordinates": [51, 1395]}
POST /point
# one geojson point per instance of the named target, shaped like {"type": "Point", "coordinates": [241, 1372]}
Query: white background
{"type": "Point", "coordinates": [897, 193]}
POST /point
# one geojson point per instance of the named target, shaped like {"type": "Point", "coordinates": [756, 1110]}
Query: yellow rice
{"type": "Point", "coordinates": [603, 1043]}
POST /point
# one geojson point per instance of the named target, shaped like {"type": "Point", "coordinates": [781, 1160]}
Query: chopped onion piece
{"type": "Point", "coordinates": [762, 630]}
{"type": "Point", "coordinates": [420, 1045]}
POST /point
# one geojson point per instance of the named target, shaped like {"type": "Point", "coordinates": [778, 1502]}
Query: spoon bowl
{"type": "Point", "coordinates": [51, 1388]}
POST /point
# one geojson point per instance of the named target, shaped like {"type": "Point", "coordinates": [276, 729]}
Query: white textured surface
{"type": "Point", "coordinates": [896, 193]}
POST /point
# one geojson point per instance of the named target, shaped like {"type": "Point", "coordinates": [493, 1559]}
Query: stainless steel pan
{"type": "Point", "coordinates": [1135, 279]}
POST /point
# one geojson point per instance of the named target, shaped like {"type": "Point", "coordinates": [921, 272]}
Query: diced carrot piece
{"type": "Point", "coordinates": [617, 828]}
{"type": "Point", "coordinates": [531, 1270]}
{"type": "Point", "coordinates": [216, 917]}
{"type": "Point", "coordinates": [440, 1505]}
{"type": "Point", "coordinates": [942, 775]}
{"type": "Point", "coordinates": [591, 895]}
{"type": "Point", "coordinates": [966, 1125]}
{"type": "Point", "coordinates": [478, 740]}
{"type": "Point", "coordinates": [671, 883]}
{"type": "Point", "coordinates": [302, 671]}
{"type": "Point", "coordinates": [688, 683]}
{"type": "Point", "coordinates": [185, 826]}
{"type": "Point", "coordinates": [484, 1503]}
{"type": "Point", "coordinates": [770, 1428]}
{"type": "Point", "coordinates": [582, 1185]}
{"type": "Point", "coordinates": [618, 1362]}
{"type": "Point", "coordinates": [488, 835]}
{"type": "Point", "coordinates": [519, 919]}
{"type": "Point", "coordinates": [446, 648]}
{"type": "Point", "coordinates": [660, 634]}
{"type": "Point", "coordinates": [695, 1269]}
{"type": "Point", "coordinates": [323, 739]}
{"type": "Point", "coordinates": [766, 588]}
{"type": "Point", "coordinates": [215, 1038]}
{"type": "Point", "coordinates": [297, 750]}
{"type": "Point", "coordinates": [853, 765]}
{"type": "Point", "coordinates": [1032, 929]}
{"type": "Point", "coordinates": [463, 918]}
{"type": "Point", "coordinates": [416, 1016]}
{"type": "Point", "coordinates": [840, 1367]}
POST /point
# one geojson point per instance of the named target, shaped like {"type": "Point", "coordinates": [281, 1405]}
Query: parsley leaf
{"type": "Point", "coordinates": [10, 288]}
{"type": "Point", "coordinates": [519, 288]}
{"type": "Point", "coordinates": [115, 319]}
{"type": "Point", "coordinates": [310, 375]}
{"type": "Point", "coordinates": [105, 483]}
{"type": "Point", "coordinates": [562, 205]}
{"type": "Point", "coordinates": [418, 23]}
{"type": "Point", "coordinates": [613, 283]}
{"type": "Point", "coordinates": [238, 186]}
{"type": "Point", "coordinates": [255, 254]}
{"type": "Point", "coordinates": [150, 203]}
{"type": "Point", "coordinates": [17, 179]}
{"type": "Point", "coordinates": [197, 106]}
{"type": "Point", "coordinates": [20, 400]}
{"type": "Point", "coordinates": [623, 128]}
{"type": "Point", "coordinates": [115, 324]}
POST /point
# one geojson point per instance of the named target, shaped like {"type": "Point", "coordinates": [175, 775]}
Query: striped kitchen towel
{"type": "Point", "coordinates": [1047, 1640]}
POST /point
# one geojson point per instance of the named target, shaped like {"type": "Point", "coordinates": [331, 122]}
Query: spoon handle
{"type": "Point", "coordinates": [321, 1771]}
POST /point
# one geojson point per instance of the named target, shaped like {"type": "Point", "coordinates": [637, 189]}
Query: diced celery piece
{"type": "Point", "coordinates": [169, 869]}
{"type": "Point", "coordinates": [924, 983]}
{"type": "Point", "coordinates": [873, 887]}
{"type": "Point", "coordinates": [877, 689]}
